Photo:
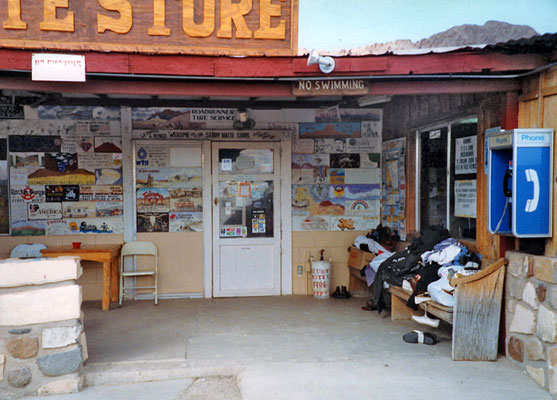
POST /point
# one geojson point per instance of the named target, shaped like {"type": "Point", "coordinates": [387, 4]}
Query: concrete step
{"type": "Point", "coordinates": [117, 373]}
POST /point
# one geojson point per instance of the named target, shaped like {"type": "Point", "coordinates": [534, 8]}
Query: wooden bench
{"type": "Point", "coordinates": [475, 315]}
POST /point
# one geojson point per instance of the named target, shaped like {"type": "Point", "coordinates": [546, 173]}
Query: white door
{"type": "Point", "coordinates": [246, 219]}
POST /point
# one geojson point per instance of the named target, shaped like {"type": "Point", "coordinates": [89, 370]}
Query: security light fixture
{"type": "Point", "coordinates": [326, 64]}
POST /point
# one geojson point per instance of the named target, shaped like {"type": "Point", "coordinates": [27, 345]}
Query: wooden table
{"type": "Point", "coordinates": [108, 255]}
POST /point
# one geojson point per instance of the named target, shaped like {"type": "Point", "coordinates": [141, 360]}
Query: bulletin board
{"type": "Point", "coordinates": [336, 172]}
{"type": "Point", "coordinates": [169, 187]}
{"type": "Point", "coordinates": [393, 201]}
{"type": "Point", "coordinates": [67, 180]}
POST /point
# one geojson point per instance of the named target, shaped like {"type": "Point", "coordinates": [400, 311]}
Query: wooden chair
{"type": "Point", "coordinates": [138, 249]}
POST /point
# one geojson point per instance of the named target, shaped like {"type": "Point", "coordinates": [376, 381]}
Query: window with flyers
{"type": "Point", "coordinates": [4, 194]}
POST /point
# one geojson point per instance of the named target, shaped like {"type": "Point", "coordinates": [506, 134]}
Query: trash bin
{"type": "Point", "coordinates": [321, 278]}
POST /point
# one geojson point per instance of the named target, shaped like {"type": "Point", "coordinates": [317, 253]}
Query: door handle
{"type": "Point", "coordinates": [216, 201]}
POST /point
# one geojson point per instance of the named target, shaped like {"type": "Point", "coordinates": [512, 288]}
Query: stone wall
{"type": "Point", "coordinates": [531, 316]}
{"type": "Point", "coordinates": [42, 342]}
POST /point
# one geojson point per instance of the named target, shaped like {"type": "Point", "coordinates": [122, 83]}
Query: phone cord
{"type": "Point", "coordinates": [502, 216]}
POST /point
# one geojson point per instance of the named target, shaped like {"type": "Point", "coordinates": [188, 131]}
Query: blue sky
{"type": "Point", "coordinates": [343, 24]}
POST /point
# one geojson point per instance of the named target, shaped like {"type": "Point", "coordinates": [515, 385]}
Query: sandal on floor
{"type": "Point", "coordinates": [420, 337]}
{"type": "Point", "coordinates": [370, 306]}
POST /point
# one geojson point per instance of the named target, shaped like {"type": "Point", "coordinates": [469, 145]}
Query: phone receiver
{"type": "Point", "coordinates": [532, 204]}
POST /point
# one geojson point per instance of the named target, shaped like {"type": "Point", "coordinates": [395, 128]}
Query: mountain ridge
{"type": "Point", "coordinates": [491, 32]}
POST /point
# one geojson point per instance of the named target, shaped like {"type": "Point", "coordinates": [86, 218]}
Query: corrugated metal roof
{"type": "Point", "coordinates": [546, 43]}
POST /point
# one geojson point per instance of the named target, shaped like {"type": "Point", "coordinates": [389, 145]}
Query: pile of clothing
{"type": "Point", "coordinates": [426, 265]}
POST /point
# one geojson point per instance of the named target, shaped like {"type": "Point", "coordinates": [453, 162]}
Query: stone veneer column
{"type": "Point", "coordinates": [42, 343]}
{"type": "Point", "coordinates": [531, 316]}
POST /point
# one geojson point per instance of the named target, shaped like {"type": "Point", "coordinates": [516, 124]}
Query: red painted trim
{"type": "Point", "coordinates": [249, 89]}
{"type": "Point", "coordinates": [153, 88]}
{"type": "Point", "coordinates": [510, 111]}
{"type": "Point", "coordinates": [211, 66]}
{"type": "Point", "coordinates": [453, 86]}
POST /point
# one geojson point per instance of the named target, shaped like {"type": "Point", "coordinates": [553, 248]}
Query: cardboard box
{"type": "Point", "coordinates": [359, 258]}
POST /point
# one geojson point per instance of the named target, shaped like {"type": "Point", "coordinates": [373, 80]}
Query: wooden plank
{"type": "Point", "coordinates": [399, 309]}
{"type": "Point", "coordinates": [452, 86]}
{"type": "Point", "coordinates": [477, 313]}
{"type": "Point", "coordinates": [154, 88]}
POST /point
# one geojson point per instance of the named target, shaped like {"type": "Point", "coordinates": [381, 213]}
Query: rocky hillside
{"type": "Point", "coordinates": [490, 33]}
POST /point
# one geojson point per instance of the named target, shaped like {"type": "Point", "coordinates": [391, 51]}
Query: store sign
{"type": "Point", "coordinates": [338, 87]}
{"type": "Point", "coordinates": [218, 27]}
{"type": "Point", "coordinates": [58, 67]}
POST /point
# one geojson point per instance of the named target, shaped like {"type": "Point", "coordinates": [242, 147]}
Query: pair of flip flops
{"type": "Point", "coordinates": [420, 337]}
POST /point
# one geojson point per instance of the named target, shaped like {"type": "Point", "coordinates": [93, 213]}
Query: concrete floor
{"type": "Point", "coordinates": [283, 348]}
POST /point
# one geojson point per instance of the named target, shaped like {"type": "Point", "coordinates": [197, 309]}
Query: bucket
{"type": "Point", "coordinates": [321, 277]}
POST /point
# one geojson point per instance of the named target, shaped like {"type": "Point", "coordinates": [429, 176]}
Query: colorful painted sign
{"type": "Point", "coordinates": [44, 211]}
{"type": "Point", "coordinates": [58, 193]}
{"type": "Point", "coordinates": [311, 130]}
{"type": "Point", "coordinates": [186, 221]}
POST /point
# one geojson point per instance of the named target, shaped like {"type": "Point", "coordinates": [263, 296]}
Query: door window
{"type": "Point", "coordinates": [246, 209]}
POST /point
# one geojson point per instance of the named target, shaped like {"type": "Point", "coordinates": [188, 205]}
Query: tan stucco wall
{"type": "Point", "coordinates": [306, 244]}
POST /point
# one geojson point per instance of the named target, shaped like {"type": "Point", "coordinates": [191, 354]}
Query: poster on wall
{"type": "Point", "coordinates": [169, 177]}
{"type": "Point", "coordinates": [78, 113]}
{"type": "Point", "coordinates": [313, 200]}
{"type": "Point", "coordinates": [393, 202]}
{"type": "Point", "coordinates": [354, 223]}
{"type": "Point", "coordinates": [44, 211]}
{"type": "Point", "coordinates": [337, 130]}
{"type": "Point", "coordinates": [186, 221]}
{"type": "Point", "coordinates": [108, 144]}
{"type": "Point", "coordinates": [345, 160]}
{"type": "Point", "coordinates": [58, 193]}
{"type": "Point", "coordinates": [28, 228]}
{"type": "Point", "coordinates": [153, 200]}
{"type": "Point", "coordinates": [311, 223]}
{"type": "Point", "coordinates": [465, 155]}
{"type": "Point", "coordinates": [465, 198]}
{"type": "Point", "coordinates": [152, 222]}
{"type": "Point", "coordinates": [101, 193]}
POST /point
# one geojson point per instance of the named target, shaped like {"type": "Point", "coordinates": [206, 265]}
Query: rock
{"type": "Point", "coordinates": [19, 331]}
{"type": "Point", "coordinates": [545, 269]}
{"type": "Point", "coordinates": [534, 350]}
{"type": "Point", "coordinates": [552, 381]}
{"type": "Point", "coordinates": [553, 297]}
{"type": "Point", "coordinates": [40, 305]}
{"type": "Point", "coordinates": [2, 362]}
{"type": "Point", "coordinates": [38, 271]}
{"type": "Point", "coordinates": [538, 374]}
{"type": "Point", "coordinates": [23, 347]}
{"type": "Point", "coordinates": [516, 263]}
{"type": "Point", "coordinates": [529, 295]}
{"type": "Point", "coordinates": [19, 377]}
{"type": "Point", "coordinates": [552, 357]}
{"type": "Point", "coordinates": [528, 267]}
{"type": "Point", "coordinates": [62, 363]}
{"type": "Point", "coordinates": [541, 292]}
{"type": "Point", "coordinates": [516, 349]}
{"type": "Point", "coordinates": [524, 320]}
{"type": "Point", "coordinates": [62, 386]}
{"type": "Point", "coordinates": [547, 325]}
{"type": "Point", "coordinates": [514, 287]}
{"type": "Point", "coordinates": [60, 336]}
{"type": "Point", "coordinates": [83, 343]}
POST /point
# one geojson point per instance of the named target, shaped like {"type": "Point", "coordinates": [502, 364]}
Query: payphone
{"type": "Point", "coordinates": [520, 182]}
